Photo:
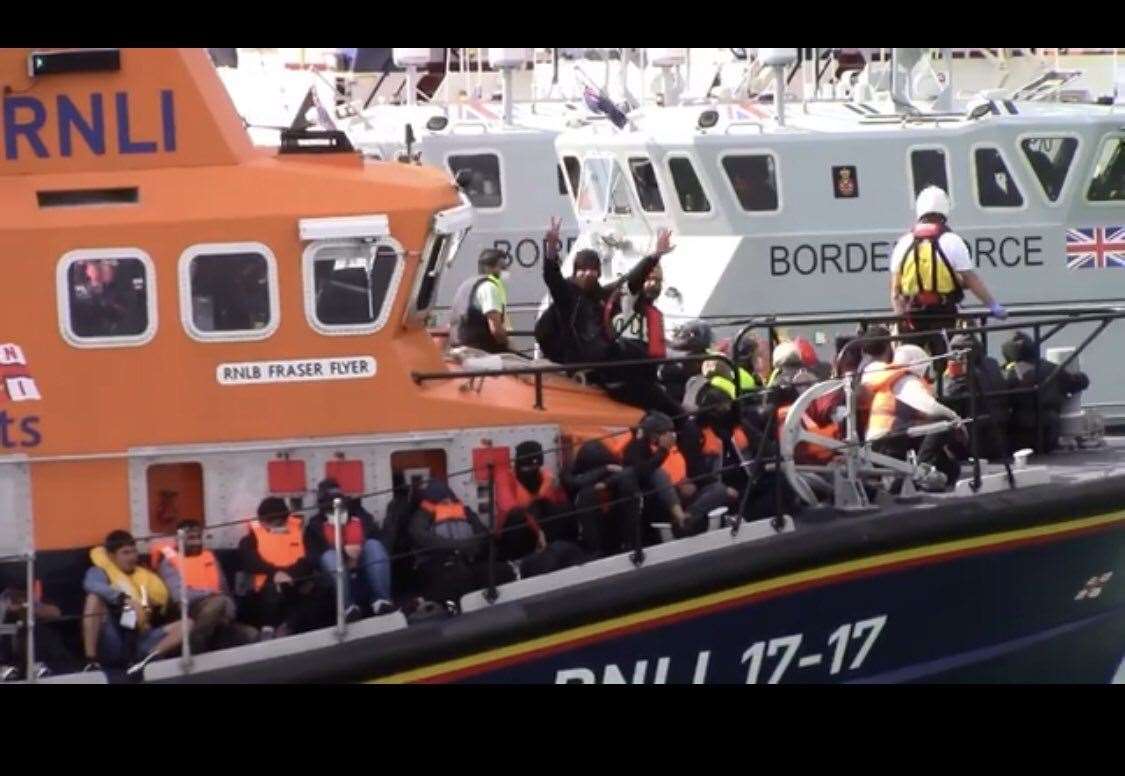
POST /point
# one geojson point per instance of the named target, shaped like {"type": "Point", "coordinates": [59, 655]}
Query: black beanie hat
{"type": "Point", "coordinates": [529, 453]}
{"type": "Point", "coordinates": [273, 509]}
{"type": "Point", "coordinates": [587, 259]}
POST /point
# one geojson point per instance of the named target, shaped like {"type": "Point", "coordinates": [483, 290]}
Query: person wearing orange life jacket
{"type": "Point", "coordinates": [209, 602]}
{"type": "Point", "coordinates": [604, 493]}
{"type": "Point", "coordinates": [451, 546]}
{"type": "Point", "coordinates": [930, 267]}
{"type": "Point", "coordinates": [365, 556]}
{"type": "Point", "coordinates": [900, 398]}
{"type": "Point", "coordinates": [535, 525]}
{"type": "Point", "coordinates": [289, 595]}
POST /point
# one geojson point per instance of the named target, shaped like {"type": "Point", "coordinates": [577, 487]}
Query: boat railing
{"type": "Point", "coordinates": [538, 371]}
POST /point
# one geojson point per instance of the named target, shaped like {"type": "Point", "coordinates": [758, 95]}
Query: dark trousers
{"type": "Point", "coordinates": [301, 607]}
{"type": "Point", "coordinates": [452, 578]}
{"type": "Point", "coordinates": [931, 318]}
{"type": "Point", "coordinates": [932, 449]}
{"type": "Point", "coordinates": [49, 649]}
{"type": "Point", "coordinates": [606, 529]}
{"type": "Point", "coordinates": [555, 556]}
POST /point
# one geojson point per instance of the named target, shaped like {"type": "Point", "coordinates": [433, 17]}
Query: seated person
{"type": "Point", "coordinates": [363, 552]}
{"type": "Point", "coordinates": [396, 534]}
{"type": "Point", "coordinates": [693, 338]}
{"type": "Point", "coordinates": [1019, 371]}
{"type": "Point", "coordinates": [52, 655]}
{"type": "Point", "coordinates": [210, 604]}
{"type": "Point", "coordinates": [662, 476]}
{"type": "Point", "coordinates": [450, 544]}
{"type": "Point", "coordinates": [993, 412]}
{"type": "Point", "coordinates": [290, 595]}
{"type": "Point", "coordinates": [604, 494]}
{"type": "Point", "coordinates": [127, 620]}
{"type": "Point", "coordinates": [902, 397]}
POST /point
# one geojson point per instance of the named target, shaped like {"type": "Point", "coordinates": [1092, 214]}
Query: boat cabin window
{"type": "Point", "coordinates": [927, 167]}
{"type": "Point", "coordinates": [350, 285]}
{"type": "Point", "coordinates": [754, 179]}
{"type": "Point", "coordinates": [1108, 184]}
{"type": "Point", "coordinates": [602, 188]}
{"type": "Point", "coordinates": [483, 185]}
{"type": "Point", "coordinates": [1050, 159]}
{"type": "Point", "coordinates": [573, 172]}
{"type": "Point", "coordinates": [995, 185]}
{"type": "Point", "coordinates": [230, 291]}
{"type": "Point", "coordinates": [175, 493]}
{"type": "Point", "coordinates": [107, 297]}
{"type": "Point", "coordinates": [688, 188]}
{"type": "Point", "coordinates": [648, 190]}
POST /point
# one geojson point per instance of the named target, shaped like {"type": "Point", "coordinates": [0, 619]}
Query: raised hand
{"type": "Point", "coordinates": [552, 240]}
{"type": "Point", "coordinates": [664, 242]}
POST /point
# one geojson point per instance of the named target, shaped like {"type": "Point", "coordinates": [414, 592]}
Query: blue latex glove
{"type": "Point", "coordinates": [998, 310]}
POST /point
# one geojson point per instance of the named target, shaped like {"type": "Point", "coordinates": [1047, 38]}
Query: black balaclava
{"type": "Point", "coordinates": [529, 465]}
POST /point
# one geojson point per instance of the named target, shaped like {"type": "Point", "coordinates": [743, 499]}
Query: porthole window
{"type": "Point", "coordinates": [1050, 159]}
{"type": "Point", "coordinates": [350, 285]}
{"type": "Point", "coordinates": [995, 185]}
{"type": "Point", "coordinates": [228, 291]}
{"type": "Point", "coordinates": [107, 297]}
{"type": "Point", "coordinates": [693, 199]}
{"type": "Point", "coordinates": [754, 179]}
{"type": "Point", "coordinates": [927, 168]}
{"type": "Point", "coordinates": [1108, 184]}
{"type": "Point", "coordinates": [482, 186]}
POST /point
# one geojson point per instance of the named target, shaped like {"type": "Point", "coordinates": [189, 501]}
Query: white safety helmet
{"type": "Point", "coordinates": [786, 354]}
{"type": "Point", "coordinates": [932, 200]}
{"type": "Point", "coordinates": [913, 358]}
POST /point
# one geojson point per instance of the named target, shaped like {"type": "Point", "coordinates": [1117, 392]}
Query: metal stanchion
{"type": "Point", "coordinates": [490, 594]}
{"type": "Point", "coordinates": [31, 616]}
{"type": "Point", "coordinates": [185, 622]}
{"type": "Point", "coordinates": [341, 572]}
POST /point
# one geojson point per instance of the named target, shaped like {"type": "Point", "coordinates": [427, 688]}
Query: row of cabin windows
{"type": "Point", "coordinates": [176, 492]}
{"type": "Point", "coordinates": [754, 177]}
{"type": "Point", "coordinates": [226, 293]}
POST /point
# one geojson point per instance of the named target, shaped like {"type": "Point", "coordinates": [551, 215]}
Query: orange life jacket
{"type": "Point", "coordinates": [278, 549]}
{"type": "Point", "coordinates": [617, 443]}
{"type": "Point", "coordinates": [806, 452]}
{"type": "Point", "coordinates": [712, 445]}
{"type": "Point", "coordinates": [445, 510]}
{"type": "Point", "coordinates": [888, 414]}
{"type": "Point", "coordinates": [524, 497]}
{"type": "Point", "coordinates": [199, 571]}
{"type": "Point", "coordinates": [675, 466]}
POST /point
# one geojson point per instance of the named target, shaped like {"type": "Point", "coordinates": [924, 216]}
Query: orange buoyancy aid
{"type": "Point", "coordinates": [525, 498]}
{"type": "Point", "coordinates": [675, 466]}
{"type": "Point", "coordinates": [807, 452]}
{"type": "Point", "coordinates": [617, 443]}
{"type": "Point", "coordinates": [198, 571]}
{"type": "Point", "coordinates": [445, 510]}
{"type": "Point", "coordinates": [278, 549]}
{"type": "Point", "coordinates": [351, 532]}
{"type": "Point", "coordinates": [713, 445]}
{"type": "Point", "coordinates": [888, 414]}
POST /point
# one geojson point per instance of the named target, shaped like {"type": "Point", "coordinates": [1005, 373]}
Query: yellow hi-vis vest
{"type": "Point", "coordinates": [502, 292]}
{"type": "Point", "coordinates": [748, 381]}
{"type": "Point", "coordinates": [923, 270]}
{"type": "Point", "coordinates": [155, 591]}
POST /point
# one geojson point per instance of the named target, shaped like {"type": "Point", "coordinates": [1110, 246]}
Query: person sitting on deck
{"type": "Point", "coordinates": [450, 545]}
{"type": "Point", "coordinates": [210, 605]}
{"type": "Point", "coordinates": [290, 596]}
{"type": "Point", "coordinates": [1022, 357]}
{"type": "Point", "coordinates": [364, 553]}
{"type": "Point", "coordinates": [535, 525]}
{"type": "Point", "coordinates": [51, 652]}
{"type": "Point", "coordinates": [127, 620]}
{"type": "Point", "coordinates": [993, 412]}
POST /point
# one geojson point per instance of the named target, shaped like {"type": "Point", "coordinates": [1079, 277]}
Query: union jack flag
{"type": "Point", "coordinates": [1095, 248]}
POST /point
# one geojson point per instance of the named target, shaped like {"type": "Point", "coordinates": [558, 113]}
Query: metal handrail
{"type": "Point", "coordinates": [546, 369]}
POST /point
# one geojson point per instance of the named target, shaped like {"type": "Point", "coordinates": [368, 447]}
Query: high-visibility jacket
{"type": "Point", "coordinates": [278, 549]}
{"type": "Point", "coordinates": [925, 272]}
{"type": "Point", "coordinates": [200, 572]}
{"type": "Point", "coordinates": [888, 414]}
{"type": "Point", "coordinates": [748, 381]}
{"type": "Point", "coordinates": [468, 324]}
